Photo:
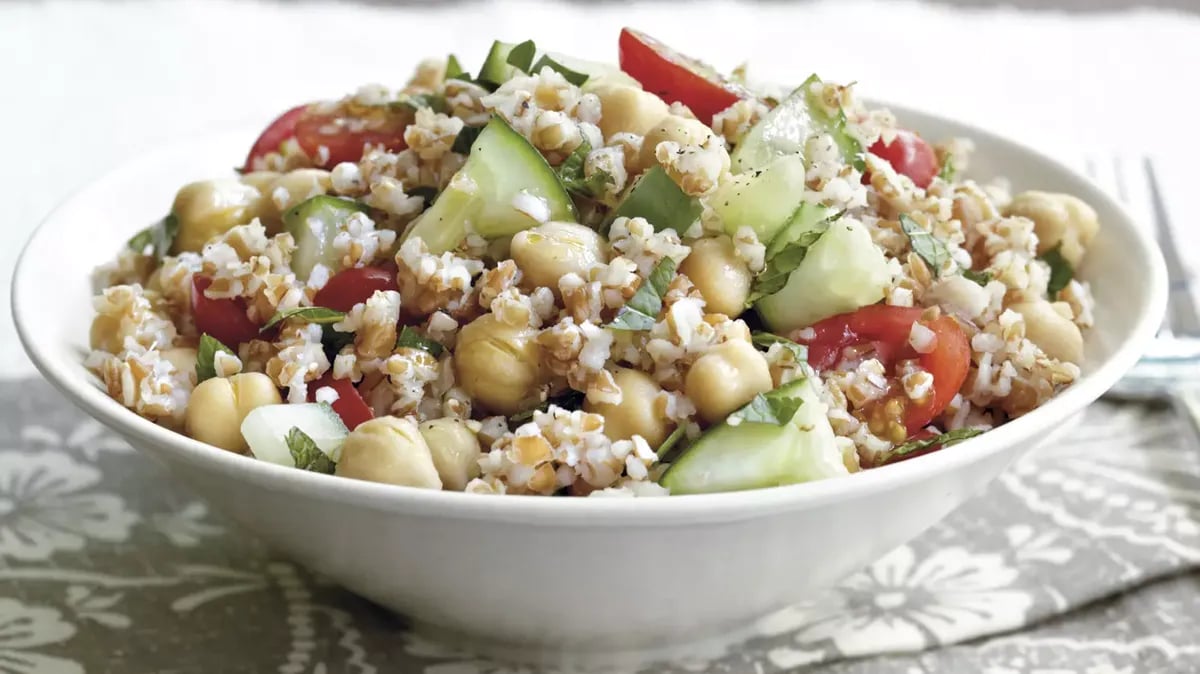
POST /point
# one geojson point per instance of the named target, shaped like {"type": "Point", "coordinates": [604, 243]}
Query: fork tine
{"type": "Point", "coordinates": [1181, 311]}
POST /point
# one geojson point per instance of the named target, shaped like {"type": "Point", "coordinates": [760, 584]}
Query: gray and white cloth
{"type": "Point", "coordinates": [1082, 557]}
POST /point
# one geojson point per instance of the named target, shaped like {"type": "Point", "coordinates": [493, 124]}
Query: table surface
{"type": "Point", "coordinates": [105, 566]}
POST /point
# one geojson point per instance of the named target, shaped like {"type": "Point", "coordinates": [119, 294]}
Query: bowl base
{"type": "Point", "coordinates": [691, 655]}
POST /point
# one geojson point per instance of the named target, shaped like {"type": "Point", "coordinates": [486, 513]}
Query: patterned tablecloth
{"type": "Point", "coordinates": [1082, 557]}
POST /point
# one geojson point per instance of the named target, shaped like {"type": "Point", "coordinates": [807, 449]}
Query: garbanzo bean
{"type": "Point", "coordinates": [548, 252]}
{"type": "Point", "coordinates": [498, 364]}
{"type": "Point", "coordinates": [719, 274]}
{"type": "Point", "coordinates": [208, 208]}
{"type": "Point", "coordinates": [636, 414]}
{"type": "Point", "coordinates": [1058, 219]}
{"type": "Point", "coordinates": [218, 406]}
{"type": "Point", "coordinates": [626, 108]}
{"type": "Point", "coordinates": [1053, 332]}
{"type": "Point", "coordinates": [389, 450]}
{"type": "Point", "coordinates": [674, 128]}
{"type": "Point", "coordinates": [728, 376]}
{"type": "Point", "coordinates": [455, 451]}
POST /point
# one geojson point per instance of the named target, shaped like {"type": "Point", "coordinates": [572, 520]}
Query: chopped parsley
{"type": "Point", "coordinates": [412, 339]}
{"type": "Point", "coordinates": [980, 277]}
{"type": "Point", "coordinates": [1061, 271]}
{"type": "Point", "coordinates": [947, 171]}
{"type": "Point", "coordinates": [156, 240]}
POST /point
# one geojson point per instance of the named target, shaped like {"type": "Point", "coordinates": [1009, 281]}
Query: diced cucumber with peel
{"type": "Point", "coordinates": [805, 219]}
{"type": "Point", "coordinates": [781, 132]}
{"type": "Point", "coordinates": [314, 224]}
{"type": "Point", "coordinates": [495, 67]}
{"type": "Point", "coordinates": [504, 187]}
{"type": "Point", "coordinates": [843, 270]}
{"type": "Point", "coordinates": [756, 455]}
{"type": "Point", "coordinates": [763, 200]}
{"type": "Point", "coordinates": [265, 428]}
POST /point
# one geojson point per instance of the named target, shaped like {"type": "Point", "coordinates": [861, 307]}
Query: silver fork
{"type": "Point", "coordinates": [1170, 368]}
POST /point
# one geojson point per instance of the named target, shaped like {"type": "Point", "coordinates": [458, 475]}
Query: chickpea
{"type": "Point", "coordinates": [388, 450]}
{"type": "Point", "coordinates": [1054, 333]}
{"type": "Point", "coordinates": [626, 108]}
{"type": "Point", "coordinates": [1058, 218]}
{"type": "Point", "coordinates": [209, 208]}
{"type": "Point", "coordinates": [548, 252]}
{"type": "Point", "coordinates": [217, 407]}
{"type": "Point", "coordinates": [719, 274]}
{"type": "Point", "coordinates": [261, 181]}
{"type": "Point", "coordinates": [184, 360]}
{"type": "Point", "coordinates": [455, 451]}
{"type": "Point", "coordinates": [291, 189]}
{"type": "Point", "coordinates": [498, 365]}
{"type": "Point", "coordinates": [672, 127]}
{"type": "Point", "coordinates": [637, 413]}
{"type": "Point", "coordinates": [725, 378]}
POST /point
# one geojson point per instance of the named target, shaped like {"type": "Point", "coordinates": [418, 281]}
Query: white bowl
{"type": "Point", "coordinates": [558, 579]}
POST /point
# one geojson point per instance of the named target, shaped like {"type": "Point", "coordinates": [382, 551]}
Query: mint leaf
{"type": "Point", "coordinates": [980, 277]}
{"type": "Point", "coordinates": [414, 102]}
{"type": "Point", "coordinates": [412, 339]}
{"type": "Point", "coordinates": [772, 407]}
{"type": "Point", "coordinates": [766, 340]}
{"type": "Point", "coordinates": [927, 246]}
{"type": "Point", "coordinates": [306, 454]}
{"type": "Point", "coordinates": [454, 70]}
{"type": "Point", "coordinates": [947, 171]}
{"type": "Point", "coordinates": [465, 139]}
{"type": "Point", "coordinates": [835, 125]}
{"type": "Point", "coordinates": [1061, 271]}
{"type": "Point", "coordinates": [641, 311]}
{"type": "Point", "coordinates": [318, 315]}
{"type": "Point", "coordinates": [571, 400]}
{"type": "Point", "coordinates": [573, 76]}
{"type": "Point", "coordinates": [521, 56]}
{"type": "Point", "coordinates": [156, 239]}
{"type": "Point", "coordinates": [206, 351]}
{"type": "Point", "coordinates": [779, 267]}
{"type": "Point", "coordinates": [573, 176]}
{"type": "Point", "coordinates": [659, 200]}
{"type": "Point", "coordinates": [913, 446]}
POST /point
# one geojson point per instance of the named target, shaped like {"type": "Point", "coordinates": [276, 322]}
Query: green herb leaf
{"type": "Point", "coordinates": [306, 454]}
{"type": "Point", "coordinates": [318, 315]}
{"type": "Point", "coordinates": [669, 444]}
{"type": "Point", "coordinates": [332, 341]}
{"type": "Point", "coordinates": [1061, 271]}
{"type": "Point", "coordinates": [767, 339]}
{"type": "Point", "coordinates": [641, 311]}
{"type": "Point", "coordinates": [465, 139]}
{"type": "Point", "coordinates": [205, 353]}
{"type": "Point", "coordinates": [573, 76]}
{"type": "Point", "coordinates": [156, 238]}
{"type": "Point", "coordinates": [980, 277]}
{"type": "Point", "coordinates": [774, 275]}
{"type": "Point", "coordinates": [836, 124]}
{"type": "Point", "coordinates": [414, 102]}
{"type": "Point", "coordinates": [767, 408]}
{"type": "Point", "coordinates": [947, 171]}
{"type": "Point", "coordinates": [573, 177]}
{"type": "Point", "coordinates": [571, 400]}
{"type": "Point", "coordinates": [454, 70]}
{"type": "Point", "coordinates": [410, 338]}
{"type": "Point", "coordinates": [912, 446]}
{"type": "Point", "coordinates": [930, 248]}
{"type": "Point", "coordinates": [521, 56]}
{"type": "Point", "coordinates": [429, 194]}
{"type": "Point", "coordinates": [659, 200]}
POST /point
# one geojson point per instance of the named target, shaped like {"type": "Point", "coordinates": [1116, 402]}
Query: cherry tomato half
{"type": "Point", "coordinates": [352, 286]}
{"type": "Point", "coordinates": [345, 132]}
{"type": "Point", "coordinates": [283, 128]}
{"type": "Point", "coordinates": [888, 328]}
{"type": "Point", "coordinates": [350, 406]}
{"type": "Point", "coordinates": [910, 155]}
{"type": "Point", "coordinates": [224, 319]}
{"type": "Point", "coordinates": [675, 77]}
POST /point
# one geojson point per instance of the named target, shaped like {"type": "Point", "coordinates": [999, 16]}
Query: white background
{"type": "Point", "coordinates": [86, 85]}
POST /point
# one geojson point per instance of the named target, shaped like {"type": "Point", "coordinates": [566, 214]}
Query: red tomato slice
{"type": "Point", "coordinates": [350, 406]}
{"type": "Point", "coordinates": [888, 329]}
{"type": "Point", "coordinates": [344, 134]}
{"type": "Point", "coordinates": [910, 155]}
{"type": "Point", "coordinates": [283, 128]}
{"type": "Point", "coordinates": [352, 286]}
{"type": "Point", "coordinates": [675, 77]}
{"type": "Point", "coordinates": [224, 319]}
